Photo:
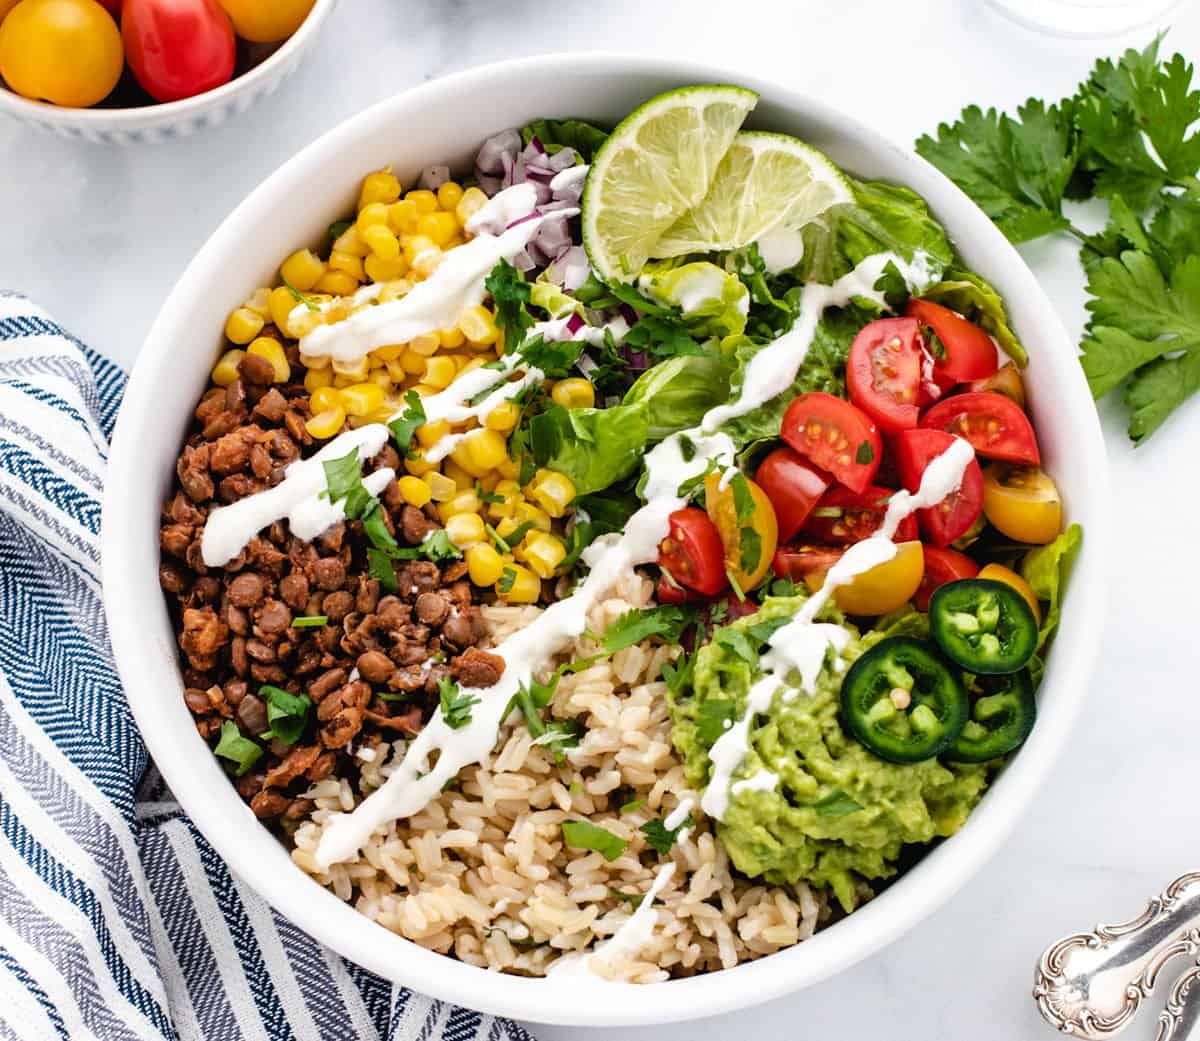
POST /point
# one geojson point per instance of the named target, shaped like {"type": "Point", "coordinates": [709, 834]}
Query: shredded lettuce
{"type": "Point", "coordinates": [557, 134]}
{"type": "Point", "coordinates": [714, 302]}
{"type": "Point", "coordinates": [974, 298]}
{"type": "Point", "coordinates": [675, 394]}
{"type": "Point", "coordinates": [1046, 569]}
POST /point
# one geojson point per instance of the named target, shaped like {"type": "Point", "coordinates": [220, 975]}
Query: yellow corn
{"type": "Point", "coordinates": [394, 290]}
{"type": "Point", "coordinates": [326, 424]}
{"type": "Point", "coordinates": [259, 302]}
{"type": "Point", "coordinates": [485, 448]}
{"type": "Point", "coordinates": [425, 343]}
{"type": "Point", "coordinates": [429, 434]}
{"type": "Point", "coordinates": [449, 195]}
{"type": "Point", "coordinates": [380, 377]}
{"type": "Point", "coordinates": [484, 564]}
{"type": "Point", "coordinates": [489, 480]}
{"type": "Point", "coordinates": [303, 322]}
{"type": "Point", "coordinates": [396, 370]}
{"type": "Point", "coordinates": [380, 186]}
{"type": "Point", "coordinates": [441, 488]}
{"type": "Point", "coordinates": [281, 306]}
{"type": "Point", "coordinates": [414, 491]}
{"type": "Point", "coordinates": [552, 491]}
{"type": "Point", "coordinates": [510, 494]}
{"type": "Point", "coordinates": [439, 372]}
{"type": "Point", "coordinates": [372, 213]}
{"type": "Point", "coordinates": [379, 270]}
{"type": "Point", "coordinates": [503, 417]}
{"type": "Point", "coordinates": [243, 325]}
{"type": "Point", "coordinates": [362, 398]}
{"type": "Point", "coordinates": [439, 226]}
{"type": "Point", "coordinates": [518, 585]}
{"type": "Point", "coordinates": [349, 241]}
{"type": "Point", "coordinates": [324, 398]}
{"type": "Point", "coordinates": [382, 241]}
{"type": "Point", "coordinates": [424, 390]}
{"type": "Point", "coordinates": [526, 511]}
{"type": "Point", "coordinates": [355, 371]}
{"type": "Point", "coordinates": [413, 363]}
{"type": "Point", "coordinates": [575, 392]}
{"type": "Point", "coordinates": [424, 199]}
{"type": "Point", "coordinates": [302, 269]}
{"type": "Point", "coordinates": [472, 201]}
{"type": "Point", "coordinates": [464, 479]}
{"type": "Point", "coordinates": [505, 527]}
{"type": "Point", "coordinates": [382, 354]}
{"type": "Point", "coordinates": [543, 553]}
{"type": "Point", "coordinates": [403, 216]}
{"type": "Point", "coordinates": [225, 371]}
{"type": "Point", "coordinates": [423, 255]}
{"type": "Point", "coordinates": [350, 263]}
{"type": "Point", "coordinates": [339, 283]}
{"type": "Point", "coordinates": [478, 325]}
{"type": "Point", "coordinates": [509, 468]}
{"type": "Point", "coordinates": [465, 529]}
{"type": "Point", "coordinates": [315, 379]}
{"type": "Point", "coordinates": [418, 466]}
{"type": "Point", "coordinates": [462, 502]}
{"type": "Point", "coordinates": [272, 350]}
{"type": "Point", "coordinates": [450, 338]}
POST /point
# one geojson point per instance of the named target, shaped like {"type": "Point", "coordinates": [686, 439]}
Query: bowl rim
{"type": "Point", "coordinates": [911, 898]}
{"type": "Point", "coordinates": [141, 117]}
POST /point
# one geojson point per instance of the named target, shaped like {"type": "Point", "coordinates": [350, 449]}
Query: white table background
{"type": "Point", "coordinates": [99, 235]}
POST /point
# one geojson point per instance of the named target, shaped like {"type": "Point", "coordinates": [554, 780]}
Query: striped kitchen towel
{"type": "Point", "coordinates": [117, 919]}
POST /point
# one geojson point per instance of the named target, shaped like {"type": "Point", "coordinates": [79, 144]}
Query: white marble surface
{"type": "Point", "coordinates": [99, 235]}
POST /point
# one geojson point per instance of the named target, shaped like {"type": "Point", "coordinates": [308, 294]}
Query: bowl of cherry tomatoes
{"type": "Point", "coordinates": [123, 71]}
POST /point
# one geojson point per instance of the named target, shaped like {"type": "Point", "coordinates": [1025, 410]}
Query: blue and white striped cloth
{"type": "Point", "coordinates": [117, 919]}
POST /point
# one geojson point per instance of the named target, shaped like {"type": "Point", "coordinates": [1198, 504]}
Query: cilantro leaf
{"type": "Point", "coordinates": [240, 751]}
{"type": "Point", "coordinates": [343, 483]}
{"type": "Point", "coordinates": [678, 676]}
{"type": "Point", "coordinates": [507, 578]}
{"type": "Point", "coordinates": [510, 293]}
{"type": "Point", "coordinates": [436, 546]}
{"type": "Point", "coordinates": [661, 838]}
{"type": "Point", "coordinates": [662, 338]}
{"type": "Point", "coordinates": [583, 835]}
{"type": "Point", "coordinates": [379, 566]}
{"type": "Point", "coordinates": [405, 425]}
{"type": "Point", "coordinates": [455, 705]}
{"type": "Point", "coordinates": [638, 624]}
{"type": "Point", "coordinates": [836, 803]}
{"type": "Point", "coordinates": [713, 718]}
{"type": "Point", "coordinates": [287, 713]}
{"type": "Point", "coordinates": [555, 358]}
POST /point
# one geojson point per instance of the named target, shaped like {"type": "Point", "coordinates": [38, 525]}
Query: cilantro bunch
{"type": "Point", "coordinates": [1126, 137]}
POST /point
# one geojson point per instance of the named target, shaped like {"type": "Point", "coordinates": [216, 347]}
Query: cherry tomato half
{"type": "Point", "coordinates": [883, 588]}
{"type": "Point", "coordinates": [67, 52]}
{"type": "Point", "coordinates": [835, 436]}
{"type": "Point", "coordinates": [883, 372]}
{"type": "Point", "coordinates": [843, 517]}
{"type": "Point", "coordinates": [668, 593]}
{"type": "Point", "coordinates": [942, 566]}
{"type": "Point", "coordinates": [692, 552]}
{"type": "Point", "coordinates": [1022, 502]}
{"type": "Point", "coordinates": [800, 561]}
{"type": "Point", "coordinates": [969, 352]}
{"type": "Point", "coordinates": [178, 48]}
{"type": "Point", "coordinates": [954, 515]}
{"type": "Point", "coordinates": [749, 531]}
{"type": "Point", "coordinates": [994, 424]}
{"type": "Point", "coordinates": [1006, 380]}
{"type": "Point", "coordinates": [792, 485]}
{"type": "Point", "coordinates": [266, 21]}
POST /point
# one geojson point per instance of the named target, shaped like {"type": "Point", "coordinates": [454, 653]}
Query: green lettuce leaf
{"type": "Point", "coordinates": [549, 297]}
{"type": "Point", "coordinates": [556, 134]}
{"type": "Point", "coordinates": [675, 395]}
{"type": "Point", "coordinates": [1046, 569]}
{"type": "Point", "coordinates": [973, 298]}
{"type": "Point", "coordinates": [714, 302]}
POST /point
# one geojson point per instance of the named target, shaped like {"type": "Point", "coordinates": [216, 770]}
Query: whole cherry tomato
{"type": "Point", "coordinates": [64, 51]}
{"type": "Point", "coordinates": [266, 21]}
{"type": "Point", "coordinates": [178, 48]}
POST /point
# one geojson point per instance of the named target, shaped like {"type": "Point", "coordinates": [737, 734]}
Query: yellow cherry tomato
{"type": "Point", "coordinates": [749, 530]}
{"type": "Point", "coordinates": [1005, 380]}
{"type": "Point", "coordinates": [64, 51]}
{"type": "Point", "coordinates": [999, 573]}
{"type": "Point", "coordinates": [266, 21]}
{"type": "Point", "coordinates": [1022, 502]}
{"type": "Point", "coordinates": [884, 588]}
{"type": "Point", "coordinates": [6, 6]}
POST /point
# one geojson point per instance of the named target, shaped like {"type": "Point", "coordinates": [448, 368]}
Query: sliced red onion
{"type": "Point", "coordinates": [491, 155]}
{"type": "Point", "coordinates": [536, 144]}
{"type": "Point", "coordinates": [433, 177]}
{"type": "Point", "coordinates": [628, 313]}
{"type": "Point", "coordinates": [563, 158]}
{"type": "Point", "coordinates": [638, 360]}
{"type": "Point", "coordinates": [523, 261]}
{"type": "Point", "coordinates": [570, 268]}
{"type": "Point", "coordinates": [489, 185]}
{"type": "Point", "coordinates": [574, 324]}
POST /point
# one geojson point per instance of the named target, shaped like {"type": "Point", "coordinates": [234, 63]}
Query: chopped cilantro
{"type": "Point", "coordinates": [491, 498]}
{"type": "Point", "coordinates": [510, 294]}
{"type": "Point", "coordinates": [763, 631]}
{"type": "Point", "coordinates": [749, 548]}
{"type": "Point", "coordinates": [507, 577]}
{"type": "Point", "coordinates": [343, 483]}
{"type": "Point", "coordinates": [582, 835]}
{"type": "Point", "coordinates": [299, 297]}
{"type": "Point", "coordinates": [634, 900]}
{"type": "Point", "coordinates": [455, 705]}
{"type": "Point", "coordinates": [713, 718]}
{"type": "Point", "coordinates": [240, 751]}
{"type": "Point", "coordinates": [737, 643]}
{"type": "Point", "coordinates": [836, 803]}
{"type": "Point", "coordinates": [638, 624]}
{"type": "Point", "coordinates": [632, 806]}
{"type": "Point", "coordinates": [865, 454]}
{"type": "Point", "coordinates": [660, 837]}
{"type": "Point", "coordinates": [556, 358]}
{"type": "Point", "coordinates": [287, 713]}
{"type": "Point", "coordinates": [692, 485]}
{"type": "Point", "coordinates": [379, 566]}
{"type": "Point", "coordinates": [310, 621]}
{"type": "Point", "coordinates": [338, 228]}
{"type": "Point", "coordinates": [678, 676]}
{"type": "Point", "coordinates": [436, 546]}
{"type": "Point", "coordinates": [405, 425]}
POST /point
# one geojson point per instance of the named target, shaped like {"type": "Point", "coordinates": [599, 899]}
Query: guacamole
{"type": "Point", "coordinates": [838, 814]}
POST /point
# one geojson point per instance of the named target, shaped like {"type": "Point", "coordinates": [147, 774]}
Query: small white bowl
{"type": "Point", "coordinates": [172, 119]}
{"type": "Point", "coordinates": [445, 121]}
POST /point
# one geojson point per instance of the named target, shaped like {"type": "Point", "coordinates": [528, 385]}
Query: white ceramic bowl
{"type": "Point", "coordinates": [445, 121]}
{"type": "Point", "coordinates": [172, 119]}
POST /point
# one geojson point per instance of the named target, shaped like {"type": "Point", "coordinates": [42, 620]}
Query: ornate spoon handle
{"type": "Point", "coordinates": [1090, 985]}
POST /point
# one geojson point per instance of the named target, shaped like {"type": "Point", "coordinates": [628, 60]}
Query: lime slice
{"type": "Point", "coordinates": [764, 181]}
{"type": "Point", "coordinates": [653, 168]}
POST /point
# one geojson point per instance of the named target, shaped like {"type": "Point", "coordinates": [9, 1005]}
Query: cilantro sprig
{"type": "Point", "coordinates": [661, 838]}
{"type": "Point", "coordinates": [456, 705]}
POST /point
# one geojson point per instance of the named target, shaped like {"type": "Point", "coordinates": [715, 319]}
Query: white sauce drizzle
{"type": "Point", "coordinates": [761, 781]}
{"type": "Point", "coordinates": [781, 248]}
{"type": "Point", "coordinates": [568, 178]}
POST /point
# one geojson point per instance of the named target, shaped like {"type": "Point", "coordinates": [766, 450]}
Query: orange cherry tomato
{"type": "Point", "coordinates": [266, 21]}
{"type": "Point", "coordinates": [884, 588]}
{"type": "Point", "coordinates": [999, 573]}
{"type": "Point", "coordinates": [1022, 502]}
{"type": "Point", "coordinates": [749, 531]}
{"type": "Point", "coordinates": [67, 52]}
{"type": "Point", "coordinates": [178, 48]}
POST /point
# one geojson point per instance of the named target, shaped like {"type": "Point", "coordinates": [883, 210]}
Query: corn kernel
{"type": "Point", "coordinates": [484, 564]}
{"type": "Point", "coordinates": [426, 262]}
{"type": "Point", "coordinates": [518, 585]}
{"type": "Point", "coordinates": [505, 527]}
{"type": "Point", "coordinates": [361, 398]}
{"type": "Point", "coordinates": [441, 488]}
{"type": "Point", "coordinates": [425, 200]}
{"type": "Point", "coordinates": [488, 481]}
{"type": "Point", "coordinates": [509, 495]}
{"type": "Point", "coordinates": [472, 201]}
{"type": "Point", "coordinates": [527, 511]}
{"type": "Point", "coordinates": [350, 263]}
{"type": "Point", "coordinates": [414, 491]}
{"type": "Point", "coordinates": [397, 372]}
{"type": "Point", "coordinates": [326, 424]}
{"type": "Point", "coordinates": [259, 302]}
{"type": "Point", "coordinates": [381, 378]}
{"type": "Point", "coordinates": [449, 195]}
{"type": "Point", "coordinates": [339, 283]}
{"type": "Point", "coordinates": [503, 417]}
{"type": "Point", "coordinates": [575, 392]}
{"type": "Point", "coordinates": [380, 186]}
{"type": "Point", "coordinates": [394, 290]}
{"type": "Point", "coordinates": [349, 241]}
{"type": "Point", "coordinates": [302, 322]}
{"type": "Point", "coordinates": [465, 529]}
{"type": "Point", "coordinates": [379, 270]}
{"type": "Point", "coordinates": [281, 306]}
{"type": "Point", "coordinates": [225, 371]}
{"type": "Point", "coordinates": [355, 371]}
{"type": "Point", "coordinates": [439, 226]}
{"type": "Point", "coordinates": [403, 216]}
{"type": "Point", "coordinates": [302, 269]}
{"type": "Point", "coordinates": [429, 434]}
{"type": "Point", "coordinates": [451, 338]}
{"type": "Point", "coordinates": [544, 553]}
{"type": "Point", "coordinates": [418, 466]}
{"type": "Point", "coordinates": [463, 479]}
{"type": "Point", "coordinates": [509, 468]}
{"type": "Point", "coordinates": [439, 372]}
{"type": "Point", "coordinates": [424, 344]}
{"type": "Point", "coordinates": [485, 448]}
{"type": "Point", "coordinates": [462, 502]}
{"type": "Point", "coordinates": [424, 390]}
{"type": "Point", "coordinates": [315, 379]}
{"type": "Point", "coordinates": [382, 241]}
{"type": "Point", "coordinates": [324, 398]}
{"type": "Point", "coordinates": [243, 325]}
{"type": "Point", "coordinates": [272, 350]}
{"type": "Point", "coordinates": [372, 213]}
{"type": "Point", "coordinates": [382, 354]}
{"type": "Point", "coordinates": [413, 363]}
{"type": "Point", "coordinates": [478, 325]}
{"type": "Point", "coordinates": [552, 491]}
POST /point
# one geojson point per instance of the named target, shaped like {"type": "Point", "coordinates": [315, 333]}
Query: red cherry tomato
{"type": "Point", "coordinates": [883, 372]}
{"type": "Point", "coordinates": [792, 485]}
{"type": "Point", "coordinates": [177, 48]}
{"type": "Point", "coordinates": [800, 561]}
{"type": "Point", "coordinates": [843, 517]}
{"type": "Point", "coordinates": [666, 593]}
{"type": "Point", "coordinates": [692, 552]}
{"type": "Point", "coordinates": [994, 424]}
{"type": "Point", "coordinates": [970, 353]}
{"type": "Point", "coordinates": [834, 435]}
{"type": "Point", "coordinates": [942, 566]}
{"type": "Point", "coordinates": [955, 514]}
{"type": "Point", "coordinates": [113, 5]}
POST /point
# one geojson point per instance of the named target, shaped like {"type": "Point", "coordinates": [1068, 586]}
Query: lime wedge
{"type": "Point", "coordinates": [653, 168]}
{"type": "Point", "coordinates": [764, 181]}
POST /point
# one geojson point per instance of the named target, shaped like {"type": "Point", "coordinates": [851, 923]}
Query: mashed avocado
{"type": "Point", "coordinates": [838, 814]}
